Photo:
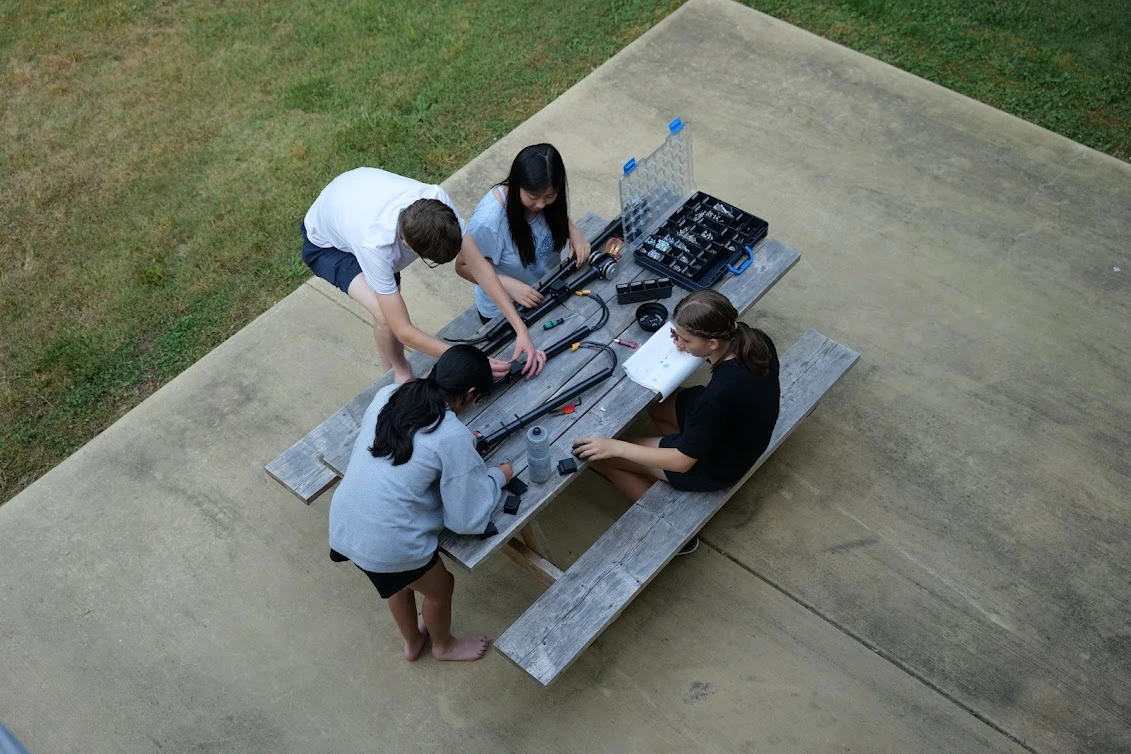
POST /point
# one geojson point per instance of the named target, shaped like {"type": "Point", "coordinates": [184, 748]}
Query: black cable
{"type": "Point", "coordinates": [576, 336]}
{"type": "Point", "coordinates": [583, 331]}
{"type": "Point", "coordinates": [487, 443]}
{"type": "Point", "coordinates": [554, 290]}
{"type": "Point", "coordinates": [551, 288]}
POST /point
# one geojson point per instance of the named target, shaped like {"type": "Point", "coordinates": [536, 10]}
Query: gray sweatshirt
{"type": "Point", "coordinates": [388, 518]}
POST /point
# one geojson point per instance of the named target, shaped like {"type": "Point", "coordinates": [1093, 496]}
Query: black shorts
{"type": "Point", "coordinates": [694, 480]}
{"type": "Point", "coordinates": [389, 584]}
{"type": "Point", "coordinates": [333, 265]}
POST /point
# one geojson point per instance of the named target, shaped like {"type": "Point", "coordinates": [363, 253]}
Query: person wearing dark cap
{"type": "Point", "coordinates": [414, 471]}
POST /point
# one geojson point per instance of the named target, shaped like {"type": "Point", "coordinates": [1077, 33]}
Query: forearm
{"type": "Point", "coordinates": [418, 340]}
{"type": "Point", "coordinates": [668, 459]}
{"type": "Point", "coordinates": [487, 279]}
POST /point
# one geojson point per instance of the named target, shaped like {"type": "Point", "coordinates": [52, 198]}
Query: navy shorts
{"type": "Point", "coordinates": [389, 584]}
{"type": "Point", "coordinates": [333, 265]}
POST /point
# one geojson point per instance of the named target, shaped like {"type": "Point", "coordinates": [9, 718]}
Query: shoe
{"type": "Point", "coordinates": [690, 547]}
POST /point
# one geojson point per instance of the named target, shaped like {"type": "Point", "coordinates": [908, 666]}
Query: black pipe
{"type": "Point", "coordinates": [485, 444]}
{"type": "Point", "coordinates": [552, 301]}
{"type": "Point", "coordinates": [576, 336]}
{"type": "Point", "coordinates": [555, 291]}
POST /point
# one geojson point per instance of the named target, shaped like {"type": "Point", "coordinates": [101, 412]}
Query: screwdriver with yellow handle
{"type": "Point", "coordinates": [555, 322]}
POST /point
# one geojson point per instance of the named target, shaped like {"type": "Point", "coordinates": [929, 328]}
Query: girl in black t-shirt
{"type": "Point", "coordinates": [712, 433]}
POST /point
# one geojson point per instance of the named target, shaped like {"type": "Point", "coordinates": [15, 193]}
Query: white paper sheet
{"type": "Point", "coordinates": [658, 365]}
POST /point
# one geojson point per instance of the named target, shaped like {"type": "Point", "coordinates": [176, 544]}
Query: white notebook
{"type": "Point", "coordinates": [658, 365]}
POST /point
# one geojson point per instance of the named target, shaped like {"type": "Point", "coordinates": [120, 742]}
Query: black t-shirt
{"type": "Point", "coordinates": [727, 424]}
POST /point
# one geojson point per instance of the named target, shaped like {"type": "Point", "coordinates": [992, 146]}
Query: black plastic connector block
{"type": "Point", "coordinates": [644, 290]}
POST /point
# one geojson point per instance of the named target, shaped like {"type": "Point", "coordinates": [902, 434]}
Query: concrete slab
{"type": "Point", "coordinates": [161, 592]}
{"type": "Point", "coordinates": [945, 537]}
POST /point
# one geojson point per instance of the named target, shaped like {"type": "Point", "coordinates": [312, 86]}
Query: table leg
{"type": "Point", "coordinates": [534, 538]}
{"type": "Point", "coordinates": [537, 566]}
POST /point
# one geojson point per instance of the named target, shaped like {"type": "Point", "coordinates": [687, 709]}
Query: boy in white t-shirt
{"type": "Point", "coordinates": [367, 226]}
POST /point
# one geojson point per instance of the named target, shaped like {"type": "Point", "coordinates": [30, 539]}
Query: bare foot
{"type": "Point", "coordinates": [412, 649]}
{"type": "Point", "coordinates": [401, 376]}
{"type": "Point", "coordinates": [467, 649]}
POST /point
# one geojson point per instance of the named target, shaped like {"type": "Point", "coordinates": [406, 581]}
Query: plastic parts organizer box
{"type": "Point", "coordinates": [685, 234]}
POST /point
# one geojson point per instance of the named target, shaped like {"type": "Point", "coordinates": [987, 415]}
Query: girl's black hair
{"type": "Point", "coordinates": [537, 168]}
{"type": "Point", "coordinates": [420, 404]}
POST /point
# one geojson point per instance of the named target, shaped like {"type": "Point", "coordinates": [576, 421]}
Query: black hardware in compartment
{"type": "Point", "coordinates": [696, 243]}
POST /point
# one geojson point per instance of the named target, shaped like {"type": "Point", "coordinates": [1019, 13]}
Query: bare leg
{"type": "Point", "coordinates": [629, 477]}
{"type": "Point", "coordinates": [389, 348]}
{"type": "Point", "coordinates": [437, 586]}
{"type": "Point", "coordinates": [403, 607]}
{"type": "Point", "coordinates": [663, 415]}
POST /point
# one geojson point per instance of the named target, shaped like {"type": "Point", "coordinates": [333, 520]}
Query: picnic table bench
{"type": "Point", "coordinates": [581, 602]}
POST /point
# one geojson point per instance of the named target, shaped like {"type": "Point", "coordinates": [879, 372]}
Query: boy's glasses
{"type": "Point", "coordinates": [430, 262]}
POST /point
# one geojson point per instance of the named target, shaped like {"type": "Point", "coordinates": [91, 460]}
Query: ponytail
{"type": "Point", "coordinates": [421, 404]}
{"type": "Point", "coordinates": [416, 405]}
{"type": "Point", "coordinates": [709, 314]}
{"type": "Point", "coordinates": [749, 346]}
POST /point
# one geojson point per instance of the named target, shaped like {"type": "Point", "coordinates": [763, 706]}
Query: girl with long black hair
{"type": "Point", "coordinates": [522, 225]}
{"type": "Point", "coordinates": [414, 471]}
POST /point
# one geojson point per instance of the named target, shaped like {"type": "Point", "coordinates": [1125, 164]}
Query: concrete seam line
{"type": "Point", "coordinates": [873, 648]}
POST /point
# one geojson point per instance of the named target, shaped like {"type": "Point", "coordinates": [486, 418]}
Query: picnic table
{"type": "Point", "coordinates": [574, 604]}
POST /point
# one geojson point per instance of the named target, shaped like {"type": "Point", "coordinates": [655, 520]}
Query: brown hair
{"type": "Point", "coordinates": [709, 314]}
{"type": "Point", "coordinates": [431, 229]}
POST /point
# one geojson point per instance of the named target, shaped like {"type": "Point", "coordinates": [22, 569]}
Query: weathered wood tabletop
{"type": "Point", "coordinates": [607, 409]}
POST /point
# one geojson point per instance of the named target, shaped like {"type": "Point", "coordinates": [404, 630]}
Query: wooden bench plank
{"type": "Point", "coordinates": [608, 409]}
{"type": "Point", "coordinates": [592, 593]}
{"type": "Point", "coordinates": [300, 468]}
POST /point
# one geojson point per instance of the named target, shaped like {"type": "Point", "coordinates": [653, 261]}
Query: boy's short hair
{"type": "Point", "coordinates": [431, 229]}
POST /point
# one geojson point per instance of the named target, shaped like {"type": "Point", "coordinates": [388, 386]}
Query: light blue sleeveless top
{"type": "Point", "coordinates": [492, 234]}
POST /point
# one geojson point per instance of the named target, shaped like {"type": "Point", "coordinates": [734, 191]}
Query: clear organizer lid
{"type": "Point", "coordinates": [653, 188]}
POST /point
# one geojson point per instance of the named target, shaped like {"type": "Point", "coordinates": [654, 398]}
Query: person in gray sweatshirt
{"type": "Point", "coordinates": [414, 471]}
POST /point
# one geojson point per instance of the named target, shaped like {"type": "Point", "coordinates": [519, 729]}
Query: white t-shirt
{"type": "Point", "coordinates": [358, 213]}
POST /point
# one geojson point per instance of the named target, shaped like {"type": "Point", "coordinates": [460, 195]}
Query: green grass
{"type": "Point", "coordinates": [156, 157]}
{"type": "Point", "coordinates": [1062, 64]}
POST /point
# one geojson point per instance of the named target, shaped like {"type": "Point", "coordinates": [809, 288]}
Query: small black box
{"type": "Point", "coordinates": [510, 505]}
{"type": "Point", "coordinates": [516, 486]}
{"type": "Point", "coordinates": [567, 466]}
{"type": "Point", "coordinates": [644, 290]}
{"type": "Point", "coordinates": [490, 531]}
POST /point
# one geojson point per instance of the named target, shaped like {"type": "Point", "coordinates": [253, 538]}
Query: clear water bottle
{"type": "Point", "coordinates": [538, 454]}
